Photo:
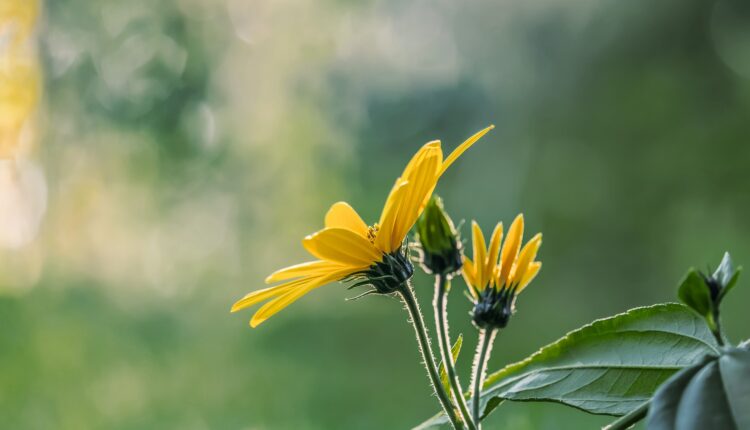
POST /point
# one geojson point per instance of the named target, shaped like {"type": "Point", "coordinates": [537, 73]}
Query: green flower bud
{"type": "Point", "coordinates": [440, 246]}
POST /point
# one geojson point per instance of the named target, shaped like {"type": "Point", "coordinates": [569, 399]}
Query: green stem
{"type": "Point", "coordinates": [441, 323]}
{"type": "Point", "coordinates": [407, 295]}
{"type": "Point", "coordinates": [630, 419]}
{"type": "Point", "coordinates": [716, 327]}
{"type": "Point", "coordinates": [484, 348]}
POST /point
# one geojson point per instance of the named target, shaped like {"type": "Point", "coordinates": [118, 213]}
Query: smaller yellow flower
{"type": "Point", "coordinates": [494, 284]}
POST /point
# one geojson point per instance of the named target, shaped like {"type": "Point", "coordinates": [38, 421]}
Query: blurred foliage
{"type": "Point", "coordinates": [190, 144]}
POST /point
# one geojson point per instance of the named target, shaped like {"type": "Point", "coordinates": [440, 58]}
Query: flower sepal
{"type": "Point", "coordinates": [493, 308]}
{"type": "Point", "coordinates": [386, 276]}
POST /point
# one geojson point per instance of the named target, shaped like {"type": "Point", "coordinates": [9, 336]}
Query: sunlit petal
{"type": "Point", "coordinates": [342, 215]}
{"type": "Point", "coordinates": [422, 177]}
{"type": "Point", "coordinates": [493, 250]}
{"type": "Point", "coordinates": [469, 275]}
{"type": "Point", "coordinates": [479, 254]}
{"type": "Point", "coordinates": [462, 148]}
{"type": "Point", "coordinates": [529, 276]}
{"type": "Point", "coordinates": [510, 248]}
{"type": "Point", "coordinates": [383, 240]}
{"type": "Point", "coordinates": [311, 268]}
{"type": "Point", "coordinates": [343, 246]}
{"type": "Point", "coordinates": [302, 287]}
{"type": "Point", "coordinates": [527, 255]}
{"type": "Point", "coordinates": [265, 294]}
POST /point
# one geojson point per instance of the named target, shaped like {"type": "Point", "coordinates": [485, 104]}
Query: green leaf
{"type": "Point", "coordinates": [735, 375]}
{"type": "Point", "coordinates": [455, 350]}
{"type": "Point", "coordinates": [666, 402]}
{"type": "Point", "coordinates": [608, 367]}
{"type": "Point", "coordinates": [713, 394]}
{"type": "Point", "coordinates": [695, 293]}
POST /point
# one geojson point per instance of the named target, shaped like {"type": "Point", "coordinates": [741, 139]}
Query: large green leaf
{"type": "Point", "coordinates": [608, 367]}
{"type": "Point", "coordinates": [714, 394]}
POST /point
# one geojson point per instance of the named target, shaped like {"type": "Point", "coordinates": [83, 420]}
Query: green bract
{"type": "Point", "coordinates": [704, 293]}
{"type": "Point", "coordinates": [455, 351]}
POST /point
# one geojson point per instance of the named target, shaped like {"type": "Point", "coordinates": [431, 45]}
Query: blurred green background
{"type": "Point", "coordinates": [189, 145]}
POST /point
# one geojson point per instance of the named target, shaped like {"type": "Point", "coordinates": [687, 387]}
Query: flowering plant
{"type": "Point", "coordinates": [671, 363]}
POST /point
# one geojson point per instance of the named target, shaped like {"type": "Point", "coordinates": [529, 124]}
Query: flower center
{"type": "Point", "coordinates": [372, 232]}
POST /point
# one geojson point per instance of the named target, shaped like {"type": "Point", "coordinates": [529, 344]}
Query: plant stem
{"type": "Point", "coordinates": [440, 304]}
{"type": "Point", "coordinates": [407, 295]}
{"type": "Point", "coordinates": [484, 348]}
{"type": "Point", "coordinates": [629, 419]}
{"type": "Point", "coordinates": [716, 327]}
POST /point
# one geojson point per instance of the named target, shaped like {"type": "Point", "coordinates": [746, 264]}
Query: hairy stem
{"type": "Point", "coordinates": [628, 420]}
{"type": "Point", "coordinates": [407, 295]}
{"type": "Point", "coordinates": [440, 304]}
{"type": "Point", "coordinates": [482, 356]}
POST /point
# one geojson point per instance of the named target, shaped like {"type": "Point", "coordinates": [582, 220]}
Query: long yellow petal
{"type": "Point", "coordinates": [265, 294]}
{"type": "Point", "coordinates": [462, 148]}
{"type": "Point", "coordinates": [343, 246]}
{"type": "Point", "coordinates": [493, 251]}
{"type": "Point", "coordinates": [529, 276]}
{"type": "Point", "coordinates": [479, 255]}
{"type": "Point", "coordinates": [527, 255]}
{"type": "Point", "coordinates": [510, 248]}
{"type": "Point", "coordinates": [422, 176]}
{"type": "Point", "coordinates": [342, 215]}
{"type": "Point", "coordinates": [274, 306]}
{"type": "Point", "coordinates": [304, 286]}
{"type": "Point", "coordinates": [469, 276]}
{"type": "Point", "coordinates": [311, 268]}
{"type": "Point", "coordinates": [388, 218]}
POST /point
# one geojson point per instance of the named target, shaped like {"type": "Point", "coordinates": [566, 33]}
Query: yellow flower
{"type": "Point", "coordinates": [20, 83]}
{"type": "Point", "coordinates": [18, 18]}
{"type": "Point", "coordinates": [347, 248]}
{"type": "Point", "coordinates": [494, 284]}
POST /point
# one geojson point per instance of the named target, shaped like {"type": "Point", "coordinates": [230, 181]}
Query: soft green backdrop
{"type": "Point", "coordinates": [190, 144]}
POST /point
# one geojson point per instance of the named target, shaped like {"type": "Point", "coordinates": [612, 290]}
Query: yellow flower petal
{"type": "Point", "coordinates": [462, 148]}
{"type": "Point", "coordinates": [265, 294]}
{"type": "Point", "coordinates": [301, 287]}
{"type": "Point", "coordinates": [529, 276]}
{"type": "Point", "coordinates": [469, 276]}
{"type": "Point", "coordinates": [343, 246]}
{"type": "Point", "coordinates": [341, 215]}
{"type": "Point", "coordinates": [479, 255]}
{"type": "Point", "coordinates": [311, 268]}
{"type": "Point", "coordinates": [493, 251]}
{"type": "Point", "coordinates": [527, 255]}
{"type": "Point", "coordinates": [422, 176]}
{"type": "Point", "coordinates": [510, 249]}
{"type": "Point", "coordinates": [388, 218]}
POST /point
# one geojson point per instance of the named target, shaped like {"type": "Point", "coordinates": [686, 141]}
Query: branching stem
{"type": "Point", "coordinates": [440, 304]}
{"type": "Point", "coordinates": [407, 295]}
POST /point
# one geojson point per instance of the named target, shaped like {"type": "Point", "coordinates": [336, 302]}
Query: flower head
{"type": "Point", "coordinates": [494, 284]}
{"type": "Point", "coordinates": [440, 246]}
{"type": "Point", "coordinates": [347, 248]}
